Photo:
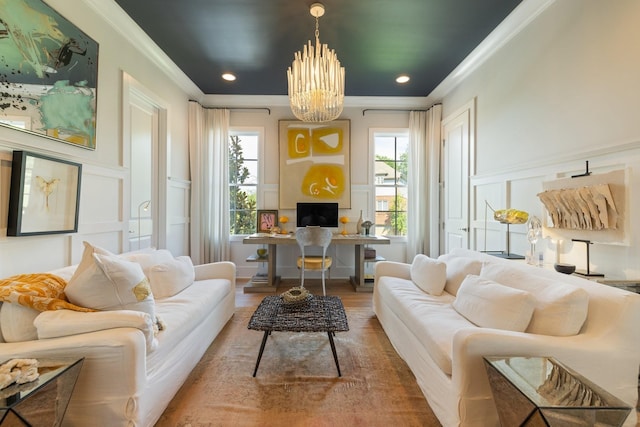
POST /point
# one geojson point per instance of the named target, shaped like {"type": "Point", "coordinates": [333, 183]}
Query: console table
{"type": "Point", "coordinates": [356, 240]}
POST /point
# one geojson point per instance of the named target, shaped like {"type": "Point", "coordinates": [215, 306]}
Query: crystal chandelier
{"type": "Point", "coordinates": [316, 80]}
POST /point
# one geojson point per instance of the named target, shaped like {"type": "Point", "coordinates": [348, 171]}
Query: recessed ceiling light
{"type": "Point", "coordinates": [229, 77]}
{"type": "Point", "coordinates": [403, 78]}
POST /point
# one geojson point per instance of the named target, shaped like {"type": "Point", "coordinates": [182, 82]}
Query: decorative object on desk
{"type": "Point", "coordinates": [262, 252]}
{"type": "Point", "coordinates": [314, 163]}
{"type": "Point", "coordinates": [366, 226]}
{"type": "Point", "coordinates": [18, 371]}
{"type": "Point", "coordinates": [587, 272]}
{"type": "Point", "coordinates": [283, 220]}
{"type": "Point", "coordinates": [44, 196]}
{"type": "Point", "coordinates": [344, 220]}
{"type": "Point", "coordinates": [267, 219]}
{"type": "Point", "coordinates": [564, 268]}
{"type": "Point", "coordinates": [359, 224]}
{"type": "Point", "coordinates": [296, 296]}
{"type": "Point", "coordinates": [49, 74]}
{"type": "Point", "coordinates": [508, 217]}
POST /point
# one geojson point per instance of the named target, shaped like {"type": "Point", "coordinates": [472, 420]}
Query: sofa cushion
{"type": "Point", "coordinates": [170, 277]}
{"type": "Point", "coordinates": [458, 268]}
{"type": "Point", "coordinates": [107, 282]}
{"type": "Point", "coordinates": [492, 305]}
{"type": "Point", "coordinates": [428, 274]}
{"type": "Point", "coordinates": [17, 322]}
{"type": "Point", "coordinates": [62, 323]}
{"type": "Point", "coordinates": [430, 318]}
{"type": "Point", "coordinates": [560, 308]}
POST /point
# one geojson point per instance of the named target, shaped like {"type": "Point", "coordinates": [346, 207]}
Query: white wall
{"type": "Point", "coordinates": [563, 91]}
{"type": "Point", "coordinates": [105, 193]}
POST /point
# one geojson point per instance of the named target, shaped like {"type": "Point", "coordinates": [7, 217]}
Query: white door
{"type": "Point", "coordinates": [457, 139]}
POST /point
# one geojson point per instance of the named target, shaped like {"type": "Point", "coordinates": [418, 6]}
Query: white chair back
{"type": "Point", "coordinates": [313, 236]}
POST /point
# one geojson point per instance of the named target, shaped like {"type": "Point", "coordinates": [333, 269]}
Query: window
{"type": "Point", "coordinates": [243, 181]}
{"type": "Point", "coordinates": [391, 151]}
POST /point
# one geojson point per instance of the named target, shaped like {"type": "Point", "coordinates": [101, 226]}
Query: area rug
{"type": "Point", "coordinates": [297, 382]}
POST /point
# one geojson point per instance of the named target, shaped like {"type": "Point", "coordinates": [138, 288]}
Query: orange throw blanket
{"type": "Point", "coordinates": [41, 291]}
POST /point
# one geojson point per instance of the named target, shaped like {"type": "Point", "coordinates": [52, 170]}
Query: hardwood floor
{"type": "Point", "coordinates": [339, 287]}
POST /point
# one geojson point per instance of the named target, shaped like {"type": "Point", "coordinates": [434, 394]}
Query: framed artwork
{"type": "Point", "coordinates": [49, 74]}
{"type": "Point", "coordinates": [266, 220]}
{"type": "Point", "coordinates": [44, 196]}
{"type": "Point", "coordinates": [315, 163]}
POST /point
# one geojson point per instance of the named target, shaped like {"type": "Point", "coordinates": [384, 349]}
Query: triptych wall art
{"type": "Point", "coordinates": [48, 74]}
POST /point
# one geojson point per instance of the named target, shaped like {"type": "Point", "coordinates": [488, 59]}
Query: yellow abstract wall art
{"type": "Point", "coordinates": [314, 163]}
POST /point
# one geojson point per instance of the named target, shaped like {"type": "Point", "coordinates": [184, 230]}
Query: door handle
{"type": "Point", "coordinates": [465, 229]}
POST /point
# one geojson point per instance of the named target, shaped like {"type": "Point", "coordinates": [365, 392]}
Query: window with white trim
{"type": "Point", "coordinates": [243, 181]}
{"type": "Point", "coordinates": [391, 150]}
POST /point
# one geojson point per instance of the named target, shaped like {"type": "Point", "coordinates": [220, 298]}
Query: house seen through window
{"type": "Point", "coordinates": [243, 181]}
{"type": "Point", "coordinates": [391, 152]}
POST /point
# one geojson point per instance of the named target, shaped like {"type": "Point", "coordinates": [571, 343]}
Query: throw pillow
{"type": "Point", "coordinates": [112, 283]}
{"type": "Point", "coordinates": [171, 277]}
{"type": "Point", "coordinates": [458, 268]}
{"type": "Point", "coordinates": [491, 305]}
{"type": "Point", "coordinates": [148, 259]}
{"type": "Point", "coordinates": [428, 274]}
{"type": "Point", "coordinates": [560, 308]}
{"type": "Point", "coordinates": [87, 257]}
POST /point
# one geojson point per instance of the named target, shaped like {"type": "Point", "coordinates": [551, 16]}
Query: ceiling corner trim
{"type": "Point", "coordinates": [514, 23]}
{"type": "Point", "coordinates": [122, 23]}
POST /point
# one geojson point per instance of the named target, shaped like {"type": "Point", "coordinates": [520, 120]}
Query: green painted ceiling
{"type": "Point", "coordinates": [375, 40]}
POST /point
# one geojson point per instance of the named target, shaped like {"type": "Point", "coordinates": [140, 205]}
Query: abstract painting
{"type": "Point", "coordinates": [48, 74]}
{"type": "Point", "coordinates": [314, 163]}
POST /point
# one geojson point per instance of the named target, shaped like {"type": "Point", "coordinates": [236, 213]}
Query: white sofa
{"type": "Point", "coordinates": [130, 375]}
{"type": "Point", "coordinates": [599, 339]}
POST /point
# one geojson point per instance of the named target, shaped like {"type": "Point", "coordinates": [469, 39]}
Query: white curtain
{"type": "Point", "coordinates": [208, 155]}
{"type": "Point", "coordinates": [423, 183]}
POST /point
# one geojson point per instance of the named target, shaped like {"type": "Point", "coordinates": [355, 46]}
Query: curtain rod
{"type": "Point", "coordinates": [236, 108]}
{"type": "Point", "coordinates": [397, 109]}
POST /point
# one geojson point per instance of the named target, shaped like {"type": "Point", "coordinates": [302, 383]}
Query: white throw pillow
{"type": "Point", "coordinates": [112, 283]}
{"type": "Point", "coordinates": [62, 323]}
{"type": "Point", "coordinates": [491, 305]}
{"type": "Point", "coordinates": [148, 259]}
{"type": "Point", "coordinates": [457, 269]}
{"type": "Point", "coordinates": [87, 258]}
{"type": "Point", "coordinates": [17, 322]}
{"type": "Point", "coordinates": [171, 277]}
{"type": "Point", "coordinates": [428, 274]}
{"type": "Point", "coordinates": [560, 308]}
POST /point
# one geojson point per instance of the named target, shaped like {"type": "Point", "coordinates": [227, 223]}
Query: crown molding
{"type": "Point", "coordinates": [513, 24]}
{"type": "Point", "coordinates": [122, 23]}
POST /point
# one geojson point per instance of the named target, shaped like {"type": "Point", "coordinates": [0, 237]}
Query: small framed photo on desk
{"type": "Point", "coordinates": [267, 219]}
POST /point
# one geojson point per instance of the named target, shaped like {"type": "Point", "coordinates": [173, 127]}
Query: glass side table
{"type": "Point", "coordinates": [540, 391]}
{"type": "Point", "coordinates": [42, 402]}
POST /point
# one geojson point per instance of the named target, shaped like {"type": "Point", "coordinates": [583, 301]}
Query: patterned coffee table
{"type": "Point", "coordinates": [318, 314]}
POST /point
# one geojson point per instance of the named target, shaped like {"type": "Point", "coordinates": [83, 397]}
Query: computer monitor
{"type": "Point", "coordinates": [317, 214]}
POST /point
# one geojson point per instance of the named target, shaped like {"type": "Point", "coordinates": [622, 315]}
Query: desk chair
{"type": "Point", "coordinates": [314, 236]}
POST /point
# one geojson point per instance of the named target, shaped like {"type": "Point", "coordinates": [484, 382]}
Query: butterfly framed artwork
{"type": "Point", "coordinates": [44, 196]}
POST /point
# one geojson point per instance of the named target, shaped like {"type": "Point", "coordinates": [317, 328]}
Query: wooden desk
{"type": "Point", "coordinates": [356, 240]}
